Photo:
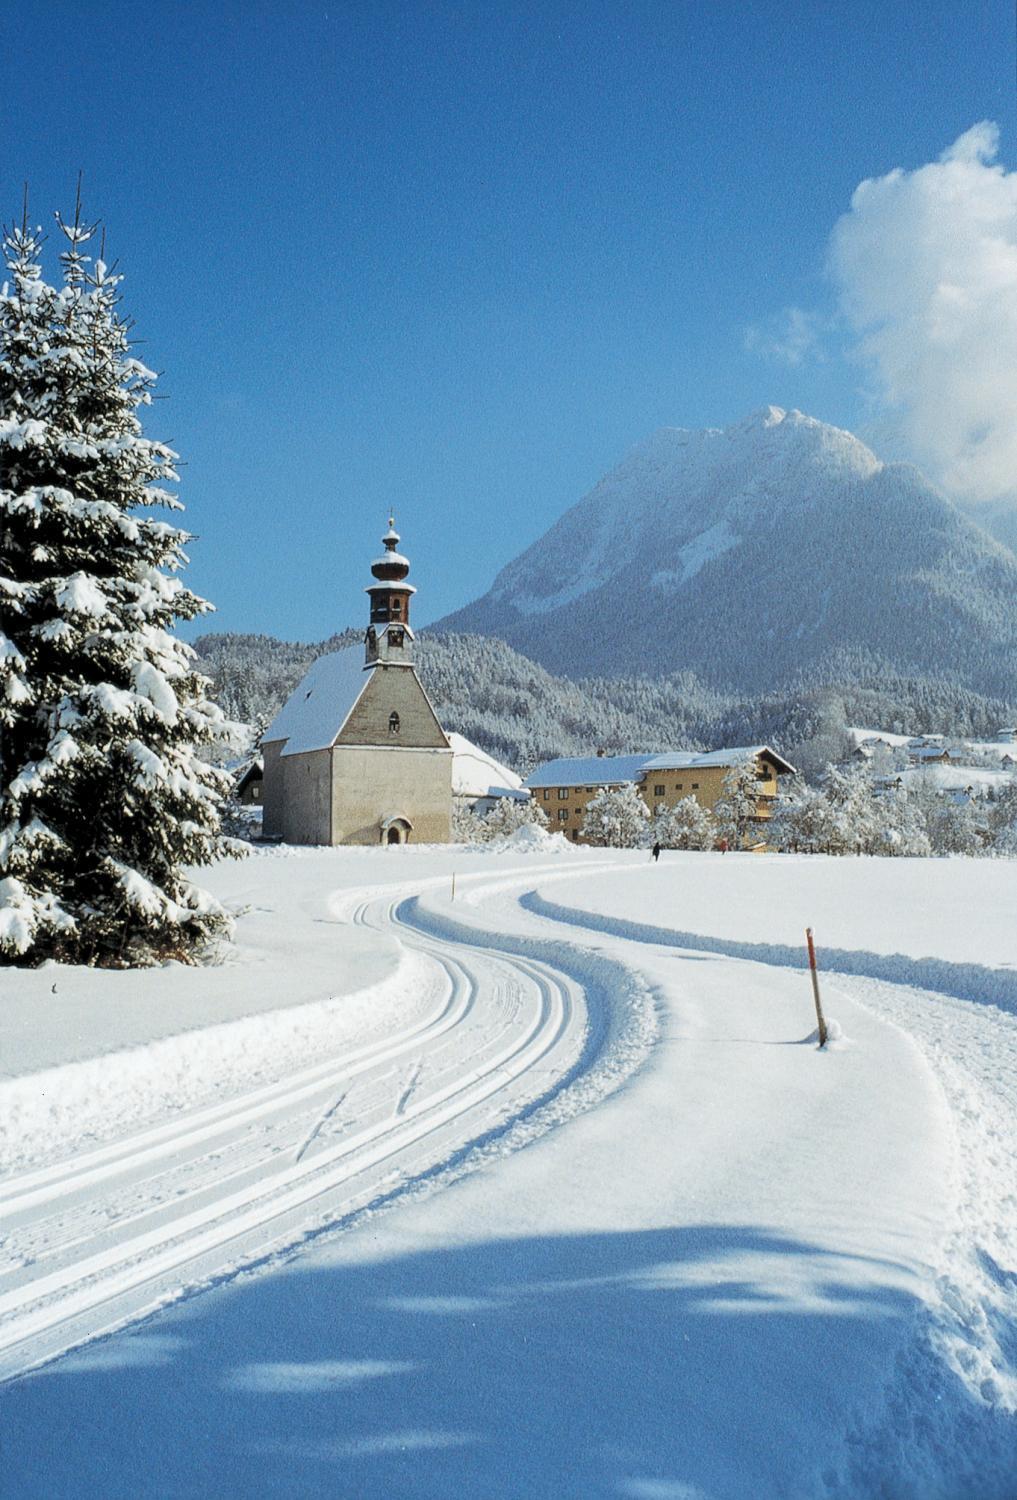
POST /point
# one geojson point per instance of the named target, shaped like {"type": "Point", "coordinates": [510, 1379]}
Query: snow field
{"type": "Point", "coordinates": [753, 1268]}
{"type": "Point", "coordinates": [967, 1334]}
{"type": "Point", "coordinates": [124, 1227]}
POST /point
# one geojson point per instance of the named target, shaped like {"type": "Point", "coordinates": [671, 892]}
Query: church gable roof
{"type": "Point", "coordinates": [394, 692]}
{"type": "Point", "coordinates": [316, 711]}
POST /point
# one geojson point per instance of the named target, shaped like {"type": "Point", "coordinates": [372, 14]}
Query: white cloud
{"type": "Point", "coordinates": [790, 337]}
{"type": "Point", "coordinates": [925, 263]}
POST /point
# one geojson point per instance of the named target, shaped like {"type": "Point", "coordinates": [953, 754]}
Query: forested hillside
{"type": "Point", "coordinates": [522, 714]}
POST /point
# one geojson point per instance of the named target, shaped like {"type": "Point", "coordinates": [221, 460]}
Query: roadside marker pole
{"type": "Point", "coordinates": [453, 885]}
{"type": "Point", "coordinates": [815, 987]}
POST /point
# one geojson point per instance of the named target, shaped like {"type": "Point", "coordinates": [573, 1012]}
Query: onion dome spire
{"type": "Point", "coordinates": [389, 635]}
{"type": "Point", "coordinates": [392, 567]}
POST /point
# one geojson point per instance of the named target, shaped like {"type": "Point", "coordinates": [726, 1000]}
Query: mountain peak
{"type": "Point", "coordinates": [751, 553]}
{"type": "Point", "coordinates": [765, 416]}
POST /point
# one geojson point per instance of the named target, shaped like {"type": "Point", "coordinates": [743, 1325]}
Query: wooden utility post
{"type": "Point", "coordinates": [815, 987]}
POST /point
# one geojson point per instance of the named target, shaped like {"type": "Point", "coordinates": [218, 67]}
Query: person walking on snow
{"type": "Point", "coordinates": [656, 852]}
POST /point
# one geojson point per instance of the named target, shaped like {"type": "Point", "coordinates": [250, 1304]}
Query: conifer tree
{"type": "Point", "coordinates": [617, 818]}
{"type": "Point", "coordinates": [687, 825]}
{"type": "Point", "coordinates": [803, 821]}
{"type": "Point", "coordinates": [737, 808]}
{"type": "Point", "coordinates": [103, 799]}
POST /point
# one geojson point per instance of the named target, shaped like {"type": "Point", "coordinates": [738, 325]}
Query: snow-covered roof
{"type": "Point", "coordinates": [682, 760]}
{"type": "Point", "coordinates": [477, 774]}
{"type": "Point", "coordinates": [314, 713]}
{"type": "Point", "coordinates": [861, 736]}
{"type": "Point", "coordinates": [608, 770]}
{"type": "Point", "coordinates": [253, 770]}
{"type": "Point", "coordinates": [590, 770]}
{"type": "Point", "coordinates": [951, 777]}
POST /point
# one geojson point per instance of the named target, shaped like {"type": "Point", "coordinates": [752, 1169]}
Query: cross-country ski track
{"type": "Point", "coordinates": [322, 1134]}
{"type": "Point", "coordinates": [105, 1237]}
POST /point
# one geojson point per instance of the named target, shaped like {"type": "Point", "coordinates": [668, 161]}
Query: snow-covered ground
{"type": "Point", "coordinates": [543, 1191]}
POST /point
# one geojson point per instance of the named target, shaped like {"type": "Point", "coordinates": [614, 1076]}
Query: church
{"type": "Point", "coordinates": [356, 755]}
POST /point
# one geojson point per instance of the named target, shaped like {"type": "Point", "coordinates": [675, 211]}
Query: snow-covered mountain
{"type": "Point", "coordinates": [754, 555]}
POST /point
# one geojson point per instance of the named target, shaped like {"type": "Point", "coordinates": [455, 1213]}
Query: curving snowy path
{"type": "Point", "coordinates": [105, 1236]}
{"type": "Point", "coordinates": [751, 1269]}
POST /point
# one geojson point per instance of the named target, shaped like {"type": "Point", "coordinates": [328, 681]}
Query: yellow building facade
{"type": "Point", "coordinates": [563, 788]}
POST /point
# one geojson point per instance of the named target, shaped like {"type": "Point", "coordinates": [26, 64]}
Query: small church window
{"type": "Point", "coordinates": [393, 722]}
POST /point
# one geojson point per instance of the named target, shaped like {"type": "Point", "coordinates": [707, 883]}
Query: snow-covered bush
{"type": "Point", "coordinates": [466, 826]}
{"type": "Point", "coordinates": [508, 815]}
{"type": "Point", "coordinates": [617, 818]}
{"type": "Point", "coordinates": [103, 799]}
{"type": "Point", "coordinates": [687, 825]}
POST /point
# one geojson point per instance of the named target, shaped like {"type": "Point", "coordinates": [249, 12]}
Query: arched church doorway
{"type": "Point", "coordinates": [396, 830]}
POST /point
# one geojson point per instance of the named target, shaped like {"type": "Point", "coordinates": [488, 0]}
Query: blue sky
{"type": "Point", "coordinates": [457, 258]}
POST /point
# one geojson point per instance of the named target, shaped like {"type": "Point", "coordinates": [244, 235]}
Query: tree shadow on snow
{"type": "Point", "coordinates": [668, 1364]}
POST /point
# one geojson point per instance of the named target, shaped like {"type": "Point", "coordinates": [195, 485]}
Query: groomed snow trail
{"type": "Point", "coordinates": [951, 1399]}
{"type": "Point", "coordinates": [103, 1238]}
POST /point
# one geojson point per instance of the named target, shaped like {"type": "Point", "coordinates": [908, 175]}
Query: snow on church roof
{"type": "Point", "coordinates": [314, 713]}
{"type": "Point", "coordinates": [477, 774]}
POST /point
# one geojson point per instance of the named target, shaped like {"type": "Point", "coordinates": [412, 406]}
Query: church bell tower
{"type": "Point", "coordinates": [389, 639]}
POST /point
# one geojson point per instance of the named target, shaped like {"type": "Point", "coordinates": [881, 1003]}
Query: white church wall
{"type": "Point", "coordinates": [372, 783]}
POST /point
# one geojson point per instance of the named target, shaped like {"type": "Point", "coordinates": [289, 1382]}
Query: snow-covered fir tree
{"type": "Point", "coordinates": [804, 821]}
{"type": "Point", "coordinates": [103, 799]}
{"type": "Point", "coordinates": [687, 825]}
{"type": "Point", "coordinates": [853, 820]}
{"type": "Point", "coordinates": [736, 809]}
{"type": "Point", "coordinates": [898, 827]}
{"type": "Point", "coordinates": [957, 827]}
{"type": "Point", "coordinates": [616, 818]}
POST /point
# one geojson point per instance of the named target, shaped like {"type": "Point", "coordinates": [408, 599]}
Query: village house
{"type": "Point", "coordinates": [247, 788]}
{"type": "Point", "coordinates": [356, 755]}
{"type": "Point", "coordinates": [562, 788]}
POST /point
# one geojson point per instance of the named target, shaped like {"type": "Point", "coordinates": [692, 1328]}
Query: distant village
{"type": "Point", "coordinates": [357, 755]}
